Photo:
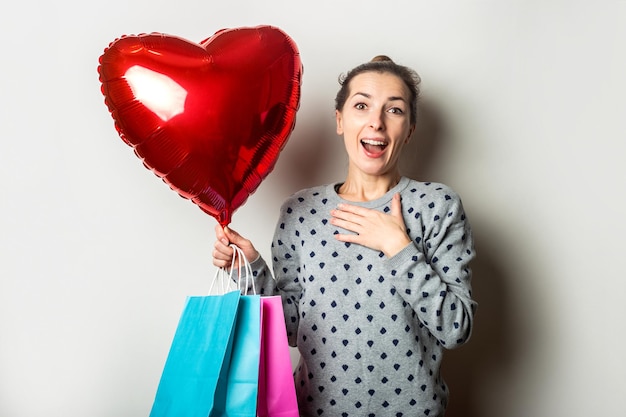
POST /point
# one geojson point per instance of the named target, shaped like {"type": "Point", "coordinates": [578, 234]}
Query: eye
{"type": "Point", "coordinates": [360, 106]}
{"type": "Point", "coordinates": [396, 110]}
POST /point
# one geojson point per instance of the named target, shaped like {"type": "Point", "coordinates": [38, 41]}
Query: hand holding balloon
{"type": "Point", "coordinates": [223, 252]}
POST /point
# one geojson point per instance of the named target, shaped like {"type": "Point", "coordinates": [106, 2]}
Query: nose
{"type": "Point", "coordinates": [377, 121]}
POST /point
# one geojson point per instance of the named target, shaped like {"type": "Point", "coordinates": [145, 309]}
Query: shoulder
{"type": "Point", "coordinates": [304, 208]}
{"type": "Point", "coordinates": [432, 203]}
{"type": "Point", "coordinates": [307, 198]}
{"type": "Point", "coordinates": [430, 192]}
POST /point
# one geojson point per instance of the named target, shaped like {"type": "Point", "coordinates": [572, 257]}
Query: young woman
{"type": "Point", "coordinates": [373, 271]}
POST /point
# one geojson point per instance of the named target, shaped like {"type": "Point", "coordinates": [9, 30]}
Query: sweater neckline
{"type": "Point", "coordinates": [332, 190]}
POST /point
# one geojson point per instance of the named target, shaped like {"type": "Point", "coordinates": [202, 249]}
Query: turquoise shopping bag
{"type": "Point", "coordinates": [199, 357]}
{"type": "Point", "coordinates": [237, 397]}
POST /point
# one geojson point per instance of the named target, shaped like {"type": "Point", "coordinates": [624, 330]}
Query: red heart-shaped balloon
{"type": "Point", "coordinates": [210, 119]}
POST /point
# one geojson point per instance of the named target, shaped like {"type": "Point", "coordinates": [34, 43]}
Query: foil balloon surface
{"type": "Point", "coordinates": [209, 118]}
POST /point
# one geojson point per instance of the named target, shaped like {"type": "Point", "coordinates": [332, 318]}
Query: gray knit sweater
{"type": "Point", "coordinates": [371, 330]}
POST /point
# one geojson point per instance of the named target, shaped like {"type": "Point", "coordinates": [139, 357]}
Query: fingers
{"type": "Point", "coordinates": [234, 237]}
{"type": "Point", "coordinates": [396, 206]}
{"type": "Point", "coordinates": [347, 216]}
{"type": "Point", "coordinates": [222, 252]}
{"type": "Point", "coordinates": [351, 209]}
{"type": "Point", "coordinates": [222, 259]}
{"type": "Point", "coordinates": [372, 228]}
{"type": "Point", "coordinates": [220, 235]}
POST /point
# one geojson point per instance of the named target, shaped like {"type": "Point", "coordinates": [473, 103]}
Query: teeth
{"type": "Point", "coordinates": [373, 142]}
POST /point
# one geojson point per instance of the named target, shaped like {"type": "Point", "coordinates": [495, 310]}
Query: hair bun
{"type": "Point", "coordinates": [381, 58]}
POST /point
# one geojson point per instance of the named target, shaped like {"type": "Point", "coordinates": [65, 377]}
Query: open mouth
{"type": "Point", "coordinates": [373, 146]}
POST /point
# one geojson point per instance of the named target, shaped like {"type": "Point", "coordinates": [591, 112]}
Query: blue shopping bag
{"type": "Point", "coordinates": [237, 397]}
{"type": "Point", "coordinates": [199, 357]}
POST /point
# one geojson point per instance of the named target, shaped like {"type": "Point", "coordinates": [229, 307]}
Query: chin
{"type": "Point", "coordinates": [375, 172]}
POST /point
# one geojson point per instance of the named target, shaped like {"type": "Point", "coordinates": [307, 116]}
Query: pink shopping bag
{"type": "Point", "coordinates": [277, 392]}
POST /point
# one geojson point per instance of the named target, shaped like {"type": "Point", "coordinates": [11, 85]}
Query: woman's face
{"type": "Point", "coordinates": [375, 122]}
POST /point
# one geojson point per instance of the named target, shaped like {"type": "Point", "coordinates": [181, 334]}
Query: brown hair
{"type": "Point", "coordinates": [382, 64]}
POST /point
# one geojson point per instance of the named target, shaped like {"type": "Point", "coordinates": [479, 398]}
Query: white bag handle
{"type": "Point", "coordinates": [243, 270]}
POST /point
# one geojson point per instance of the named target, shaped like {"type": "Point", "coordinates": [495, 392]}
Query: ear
{"type": "Point", "coordinates": [339, 119]}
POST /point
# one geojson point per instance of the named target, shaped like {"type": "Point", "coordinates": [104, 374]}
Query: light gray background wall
{"type": "Point", "coordinates": [523, 116]}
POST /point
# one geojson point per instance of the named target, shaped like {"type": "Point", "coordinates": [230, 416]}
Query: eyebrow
{"type": "Point", "coordinates": [392, 98]}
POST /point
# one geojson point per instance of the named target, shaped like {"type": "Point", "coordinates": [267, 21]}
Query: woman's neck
{"type": "Point", "coordinates": [367, 188]}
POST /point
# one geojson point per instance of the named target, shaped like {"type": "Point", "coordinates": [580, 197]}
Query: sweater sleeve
{"type": "Point", "coordinates": [433, 275]}
{"type": "Point", "coordinates": [263, 280]}
{"type": "Point", "coordinates": [287, 272]}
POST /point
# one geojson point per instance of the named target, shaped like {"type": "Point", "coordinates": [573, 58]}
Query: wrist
{"type": "Point", "coordinates": [253, 255]}
{"type": "Point", "coordinates": [396, 246]}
